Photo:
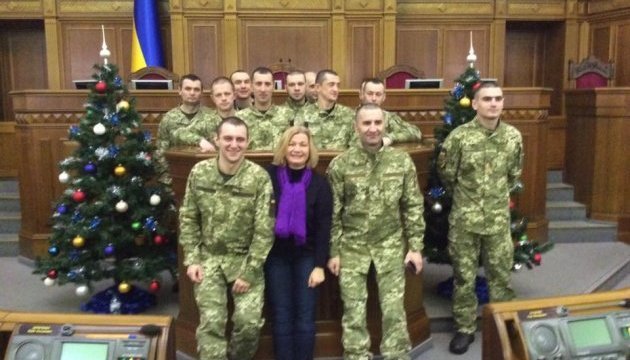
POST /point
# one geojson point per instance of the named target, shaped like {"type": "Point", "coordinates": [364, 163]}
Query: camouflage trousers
{"type": "Point", "coordinates": [464, 249]}
{"type": "Point", "coordinates": [395, 343]}
{"type": "Point", "coordinates": [212, 301]}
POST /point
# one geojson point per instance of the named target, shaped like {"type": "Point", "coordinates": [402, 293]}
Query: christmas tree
{"type": "Point", "coordinates": [114, 220]}
{"type": "Point", "coordinates": [458, 111]}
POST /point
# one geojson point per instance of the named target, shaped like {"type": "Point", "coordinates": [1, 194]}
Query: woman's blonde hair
{"type": "Point", "coordinates": [280, 153]}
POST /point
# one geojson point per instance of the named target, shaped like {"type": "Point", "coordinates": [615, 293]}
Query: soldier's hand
{"type": "Point", "coordinates": [240, 286]}
{"type": "Point", "coordinates": [206, 145]}
{"type": "Point", "coordinates": [415, 258]}
{"type": "Point", "coordinates": [334, 264]}
{"type": "Point", "coordinates": [195, 273]}
{"type": "Point", "coordinates": [317, 277]}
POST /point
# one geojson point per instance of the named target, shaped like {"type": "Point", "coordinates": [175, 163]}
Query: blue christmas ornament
{"type": "Point", "coordinates": [113, 151]}
{"type": "Point", "coordinates": [150, 223]}
{"type": "Point", "coordinates": [448, 118]}
{"type": "Point", "coordinates": [114, 120]}
{"type": "Point", "coordinates": [89, 168]}
{"type": "Point", "coordinates": [147, 136]}
{"type": "Point", "coordinates": [458, 91]}
{"type": "Point", "coordinates": [95, 223]}
{"type": "Point", "coordinates": [74, 131]}
{"type": "Point", "coordinates": [109, 250]}
{"type": "Point", "coordinates": [53, 250]}
{"type": "Point", "coordinates": [74, 255]}
{"type": "Point", "coordinates": [62, 209]}
{"type": "Point", "coordinates": [436, 192]}
{"type": "Point", "coordinates": [76, 217]}
{"type": "Point", "coordinates": [118, 81]}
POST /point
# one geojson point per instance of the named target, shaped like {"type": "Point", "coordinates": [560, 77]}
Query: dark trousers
{"type": "Point", "coordinates": [292, 305]}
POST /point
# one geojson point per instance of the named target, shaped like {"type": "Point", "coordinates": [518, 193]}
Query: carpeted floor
{"type": "Point", "coordinates": [568, 269]}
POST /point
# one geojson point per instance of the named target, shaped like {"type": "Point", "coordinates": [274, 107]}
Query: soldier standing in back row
{"type": "Point", "coordinates": [479, 163]}
{"type": "Point", "coordinates": [226, 231]}
{"type": "Point", "coordinates": [377, 220]}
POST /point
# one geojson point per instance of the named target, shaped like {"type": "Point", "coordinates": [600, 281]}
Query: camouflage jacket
{"type": "Point", "coordinates": [377, 211]}
{"type": "Point", "coordinates": [227, 224]}
{"type": "Point", "coordinates": [331, 129]}
{"type": "Point", "coordinates": [171, 121]}
{"type": "Point", "coordinates": [400, 131]}
{"type": "Point", "coordinates": [296, 109]}
{"type": "Point", "coordinates": [265, 128]}
{"type": "Point", "coordinates": [201, 128]}
{"type": "Point", "coordinates": [479, 167]}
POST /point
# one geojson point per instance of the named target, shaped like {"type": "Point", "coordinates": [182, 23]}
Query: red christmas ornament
{"type": "Point", "coordinates": [476, 85]}
{"type": "Point", "coordinates": [154, 286]}
{"type": "Point", "coordinates": [159, 240]}
{"type": "Point", "coordinates": [537, 258]}
{"type": "Point", "coordinates": [78, 195]}
{"type": "Point", "coordinates": [52, 273]}
{"type": "Point", "coordinates": [100, 86]}
{"type": "Point", "coordinates": [512, 204]}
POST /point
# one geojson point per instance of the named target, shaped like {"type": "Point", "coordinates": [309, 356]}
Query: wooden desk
{"type": "Point", "coordinates": [44, 116]}
{"type": "Point", "coordinates": [329, 311]}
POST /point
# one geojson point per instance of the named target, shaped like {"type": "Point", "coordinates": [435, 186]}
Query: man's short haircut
{"type": "Point", "coordinates": [297, 72]}
{"type": "Point", "coordinates": [368, 106]}
{"type": "Point", "coordinates": [191, 77]}
{"type": "Point", "coordinates": [262, 70]}
{"type": "Point", "coordinates": [372, 80]}
{"type": "Point", "coordinates": [238, 71]}
{"type": "Point", "coordinates": [232, 120]}
{"type": "Point", "coordinates": [321, 75]}
{"type": "Point", "coordinates": [486, 84]}
{"type": "Point", "coordinates": [221, 80]}
{"type": "Point", "coordinates": [281, 150]}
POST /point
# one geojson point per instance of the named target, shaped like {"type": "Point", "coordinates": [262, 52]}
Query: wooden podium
{"type": "Point", "coordinates": [329, 308]}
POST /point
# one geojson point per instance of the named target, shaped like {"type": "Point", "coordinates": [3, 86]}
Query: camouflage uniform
{"type": "Point", "coordinates": [400, 131]}
{"type": "Point", "coordinates": [227, 227]}
{"type": "Point", "coordinates": [265, 128]}
{"type": "Point", "coordinates": [377, 217]}
{"type": "Point", "coordinates": [479, 166]}
{"type": "Point", "coordinates": [331, 129]}
{"type": "Point", "coordinates": [200, 128]}
{"type": "Point", "coordinates": [296, 109]}
{"type": "Point", "coordinates": [171, 121]}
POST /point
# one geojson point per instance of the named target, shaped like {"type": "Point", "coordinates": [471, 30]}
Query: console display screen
{"type": "Point", "coordinates": [84, 350]}
{"type": "Point", "coordinates": [589, 332]}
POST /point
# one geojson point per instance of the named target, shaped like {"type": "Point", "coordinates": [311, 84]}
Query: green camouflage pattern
{"type": "Point", "coordinates": [171, 121]}
{"type": "Point", "coordinates": [265, 128]}
{"type": "Point", "coordinates": [377, 217]}
{"type": "Point", "coordinates": [200, 128]}
{"type": "Point", "coordinates": [227, 227]}
{"type": "Point", "coordinates": [331, 130]}
{"type": "Point", "coordinates": [297, 110]}
{"type": "Point", "coordinates": [497, 252]}
{"type": "Point", "coordinates": [400, 131]}
{"type": "Point", "coordinates": [479, 167]}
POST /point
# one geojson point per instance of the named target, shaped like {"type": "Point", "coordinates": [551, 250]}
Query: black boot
{"type": "Point", "coordinates": [459, 343]}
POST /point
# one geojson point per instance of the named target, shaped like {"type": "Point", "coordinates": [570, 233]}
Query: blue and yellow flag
{"type": "Point", "coordinates": [146, 44]}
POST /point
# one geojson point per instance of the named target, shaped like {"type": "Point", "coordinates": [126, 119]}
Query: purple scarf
{"type": "Point", "coordinates": [291, 219]}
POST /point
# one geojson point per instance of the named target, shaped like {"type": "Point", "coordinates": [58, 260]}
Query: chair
{"type": "Point", "coordinates": [591, 73]}
{"type": "Point", "coordinates": [155, 73]}
{"type": "Point", "coordinates": [280, 70]}
{"type": "Point", "coordinates": [394, 77]}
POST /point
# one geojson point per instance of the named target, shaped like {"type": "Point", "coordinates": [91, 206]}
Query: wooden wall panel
{"type": "Point", "coordinates": [552, 65]}
{"type": "Point", "coordinates": [305, 42]}
{"type": "Point", "coordinates": [81, 46]}
{"type": "Point", "coordinates": [8, 161]}
{"type": "Point", "coordinates": [622, 60]}
{"type": "Point", "coordinates": [456, 45]}
{"type": "Point", "coordinates": [600, 43]}
{"type": "Point", "coordinates": [522, 57]}
{"type": "Point", "coordinates": [206, 59]}
{"type": "Point", "coordinates": [418, 46]}
{"type": "Point", "coordinates": [362, 51]}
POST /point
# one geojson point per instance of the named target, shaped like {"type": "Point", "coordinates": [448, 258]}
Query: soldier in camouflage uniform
{"type": "Point", "coordinates": [377, 220]}
{"type": "Point", "coordinates": [182, 116]}
{"type": "Point", "coordinates": [265, 120]}
{"type": "Point", "coordinates": [329, 122]}
{"type": "Point", "coordinates": [311, 90]}
{"type": "Point", "coordinates": [202, 132]}
{"type": "Point", "coordinates": [372, 91]}
{"type": "Point", "coordinates": [243, 89]}
{"type": "Point", "coordinates": [479, 162]}
{"type": "Point", "coordinates": [226, 230]}
{"type": "Point", "coordinates": [296, 99]}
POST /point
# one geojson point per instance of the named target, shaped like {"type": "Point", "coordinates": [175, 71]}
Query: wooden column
{"type": "Point", "coordinates": [597, 162]}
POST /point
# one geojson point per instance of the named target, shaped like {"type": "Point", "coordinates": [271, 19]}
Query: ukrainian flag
{"type": "Point", "coordinates": [146, 45]}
